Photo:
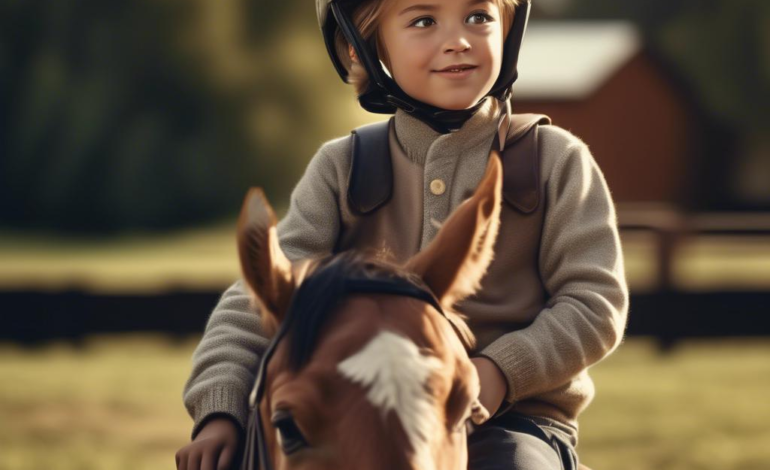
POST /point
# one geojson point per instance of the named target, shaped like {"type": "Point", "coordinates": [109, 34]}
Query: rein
{"type": "Point", "coordinates": [392, 286]}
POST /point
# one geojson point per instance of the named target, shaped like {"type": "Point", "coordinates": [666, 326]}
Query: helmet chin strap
{"type": "Point", "coordinates": [504, 124]}
{"type": "Point", "coordinates": [441, 120]}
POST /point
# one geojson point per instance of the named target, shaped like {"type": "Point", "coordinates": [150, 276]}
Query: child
{"type": "Point", "coordinates": [554, 300]}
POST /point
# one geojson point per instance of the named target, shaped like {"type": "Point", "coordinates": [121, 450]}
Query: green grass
{"type": "Point", "coordinates": [704, 406]}
{"type": "Point", "coordinates": [117, 404]}
{"type": "Point", "coordinates": [205, 258]}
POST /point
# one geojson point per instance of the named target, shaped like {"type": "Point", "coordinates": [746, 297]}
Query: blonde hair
{"type": "Point", "coordinates": [366, 19]}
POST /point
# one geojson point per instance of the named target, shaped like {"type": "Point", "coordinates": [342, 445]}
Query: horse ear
{"type": "Point", "coordinates": [266, 270]}
{"type": "Point", "coordinates": [458, 257]}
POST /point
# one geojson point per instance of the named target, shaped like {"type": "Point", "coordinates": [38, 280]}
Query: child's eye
{"type": "Point", "coordinates": [485, 18]}
{"type": "Point", "coordinates": [419, 21]}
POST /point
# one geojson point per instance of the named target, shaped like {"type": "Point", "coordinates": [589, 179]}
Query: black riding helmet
{"type": "Point", "coordinates": [383, 94]}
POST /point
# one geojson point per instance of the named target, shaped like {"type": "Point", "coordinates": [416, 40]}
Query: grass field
{"type": "Point", "coordinates": [117, 404]}
{"type": "Point", "coordinates": [205, 258]}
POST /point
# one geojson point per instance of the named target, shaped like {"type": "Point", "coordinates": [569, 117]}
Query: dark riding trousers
{"type": "Point", "coordinates": [517, 442]}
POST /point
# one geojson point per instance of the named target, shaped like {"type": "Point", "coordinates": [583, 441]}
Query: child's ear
{"type": "Point", "coordinates": [353, 55]}
{"type": "Point", "coordinates": [266, 270]}
{"type": "Point", "coordinates": [458, 257]}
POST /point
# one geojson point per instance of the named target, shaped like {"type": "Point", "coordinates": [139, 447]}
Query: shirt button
{"type": "Point", "coordinates": [437, 187]}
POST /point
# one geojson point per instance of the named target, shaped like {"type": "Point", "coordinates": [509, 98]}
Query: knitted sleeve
{"type": "Point", "coordinates": [581, 264]}
{"type": "Point", "coordinates": [225, 362]}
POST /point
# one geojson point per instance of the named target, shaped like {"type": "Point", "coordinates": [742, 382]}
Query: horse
{"type": "Point", "coordinates": [368, 365]}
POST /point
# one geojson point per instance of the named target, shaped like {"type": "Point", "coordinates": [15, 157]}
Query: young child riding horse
{"type": "Point", "coordinates": [554, 300]}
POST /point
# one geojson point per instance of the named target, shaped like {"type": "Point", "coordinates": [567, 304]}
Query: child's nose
{"type": "Point", "coordinates": [456, 43]}
{"type": "Point", "coordinates": [455, 39]}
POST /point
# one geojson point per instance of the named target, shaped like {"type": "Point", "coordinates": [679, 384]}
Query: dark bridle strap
{"type": "Point", "coordinates": [391, 286]}
{"type": "Point", "coordinates": [397, 286]}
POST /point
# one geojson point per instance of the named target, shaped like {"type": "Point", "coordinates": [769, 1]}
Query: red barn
{"type": "Point", "coordinates": [599, 81]}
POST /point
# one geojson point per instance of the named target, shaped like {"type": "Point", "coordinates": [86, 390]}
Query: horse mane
{"type": "Point", "coordinates": [315, 300]}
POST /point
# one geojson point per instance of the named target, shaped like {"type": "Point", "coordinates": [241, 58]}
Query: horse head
{"type": "Point", "coordinates": [369, 368]}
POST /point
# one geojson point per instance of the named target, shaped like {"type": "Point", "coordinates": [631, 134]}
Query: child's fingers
{"type": "Point", "coordinates": [181, 460]}
{"type": "Point", "coordinates": [193, 461]}
{"type": "Point", "coordinates": [210, 457]}
{"type": "Point", "coordinates": [226, 458]}
{"type": "Point", "coordinates": [479, 414]}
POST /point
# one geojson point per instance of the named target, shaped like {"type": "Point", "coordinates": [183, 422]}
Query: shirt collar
{"type": "Point", "coordinates": [416, 137]}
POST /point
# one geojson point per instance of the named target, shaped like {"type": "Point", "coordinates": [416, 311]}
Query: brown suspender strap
{"type": "Point", "coordinates": [521, 162]}
{"type": "Point", "coordinates": [370, 182]}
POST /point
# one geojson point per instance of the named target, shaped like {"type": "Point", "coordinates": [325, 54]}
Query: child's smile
{"type": "Point", "coordinates": [446, 53]}
{"type": "Point", "coordinates": [455, 72]}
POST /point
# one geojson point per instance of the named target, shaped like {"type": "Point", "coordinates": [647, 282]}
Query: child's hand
{"type": "Point", "coordinates": [493, 384]}
{"type": "Point", "coordinates": [213, 448]}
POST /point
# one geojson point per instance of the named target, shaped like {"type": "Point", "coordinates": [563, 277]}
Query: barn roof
{"type": "Point", "coordinates": [569, 60]}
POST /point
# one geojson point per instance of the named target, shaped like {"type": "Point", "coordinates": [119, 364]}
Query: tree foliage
{"type": "Point", "coordinates": [135, 113]}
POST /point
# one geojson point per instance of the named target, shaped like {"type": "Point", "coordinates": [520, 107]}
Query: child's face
{"type": "Point", "coordinates": [422, 37]}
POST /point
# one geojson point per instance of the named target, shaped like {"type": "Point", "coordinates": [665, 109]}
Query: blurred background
{"type": "Point", "coordinates": [131, 129]}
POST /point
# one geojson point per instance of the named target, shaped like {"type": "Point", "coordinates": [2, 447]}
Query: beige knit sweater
{"type": "Point", "coordinates": [553, 303]}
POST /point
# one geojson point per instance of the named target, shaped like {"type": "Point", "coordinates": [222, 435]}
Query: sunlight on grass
{"type": "Point", "coordinates": [116, 403]}
{"type": "Point", "coordinates": [203, 258]}
{"type": "Point", "coordinates": [704, 406]}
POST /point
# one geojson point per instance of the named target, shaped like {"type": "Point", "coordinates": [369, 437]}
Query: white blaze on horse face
{"type": "Point", "coordinates": [396, 375]}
